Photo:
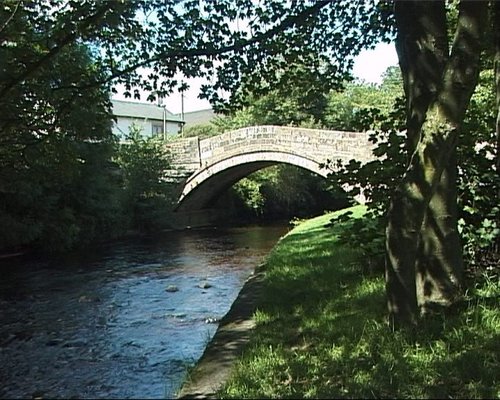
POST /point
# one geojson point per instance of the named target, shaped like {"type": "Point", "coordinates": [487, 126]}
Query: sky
{"type": "Point", "coordinates": [368, 66]}
{"type": "Point", "coordinates": [371, 64]}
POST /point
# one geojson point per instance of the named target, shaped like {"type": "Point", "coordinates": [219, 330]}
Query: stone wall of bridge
{"type": "Point", "coordinates": [313, 144]}
{"type": "Point", "coordinates": [185, 153]}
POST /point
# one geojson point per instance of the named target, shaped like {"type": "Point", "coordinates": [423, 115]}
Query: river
{"type": "Point", "coordinates": [124, 320]}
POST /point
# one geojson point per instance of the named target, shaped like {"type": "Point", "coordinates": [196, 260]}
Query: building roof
{"type": "Point", "coordinates": [142, 110]}
{"type": "Point", "coordinates": [199, 117]}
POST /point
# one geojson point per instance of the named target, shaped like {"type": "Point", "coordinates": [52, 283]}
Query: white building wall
{"type": "Point", "coordinates": [173, 128]}
{"type": "Point", "coordinates": [122, 127]}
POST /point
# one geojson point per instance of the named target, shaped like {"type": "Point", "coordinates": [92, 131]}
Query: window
{"type": "Point", "coordinates": [157, 129]}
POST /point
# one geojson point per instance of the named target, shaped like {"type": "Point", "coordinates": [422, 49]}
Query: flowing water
{"type": "Point", "coordinates": [125, 320]}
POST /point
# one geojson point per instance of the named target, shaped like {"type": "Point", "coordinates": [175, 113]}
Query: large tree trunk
{"type": "Point", "coordinates": [421, 237]}
{"type": "Point", "coordinates": [422, 46]}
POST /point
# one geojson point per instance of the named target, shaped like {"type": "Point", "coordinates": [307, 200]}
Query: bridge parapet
{"type": "Point", "coordinates": [314, 144]}
{"type": "Point", "coordinates": [318, 145]}
{"type": "Point", "coordinates": [185, 153]}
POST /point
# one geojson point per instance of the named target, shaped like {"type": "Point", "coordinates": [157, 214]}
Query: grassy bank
{"type": "Point", "coordinates": [321, 332]}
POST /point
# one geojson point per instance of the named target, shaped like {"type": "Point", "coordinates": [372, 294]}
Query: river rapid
{"type": "Point", "coordinates": [124, 320]}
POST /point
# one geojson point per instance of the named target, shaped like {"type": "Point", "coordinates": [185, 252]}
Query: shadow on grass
{"type": "Point", "coordinates": [321, 333]}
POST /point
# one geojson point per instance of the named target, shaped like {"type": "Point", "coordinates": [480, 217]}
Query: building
{"type": "Point", "coordinates": [199, 117]}
{"type": "Point", "coordinates": [152, 120]}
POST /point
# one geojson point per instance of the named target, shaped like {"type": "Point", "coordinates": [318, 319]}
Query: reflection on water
{"type": "Point", "coordinates": [104, 325]}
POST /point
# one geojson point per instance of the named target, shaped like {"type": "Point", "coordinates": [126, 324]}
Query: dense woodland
{"type": "Point", "coordinates": [433, 195]}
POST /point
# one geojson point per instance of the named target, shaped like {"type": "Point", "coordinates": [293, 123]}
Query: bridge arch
{"type": "Point", "coordinates": [207, 183]}
{"type": "Point", "coordinates": [214, 164]}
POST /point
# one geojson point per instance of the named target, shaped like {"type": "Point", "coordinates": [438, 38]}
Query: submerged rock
{"type": "Point", "coordinates": [177, 315]}
{"type": "Point", "coordinates": [54, 342]}
{"type": "Point", "coordinates": [171, 288]}
{"type": "Point", "coordinates": [89, 299]}
{"type": "Point", "coordinates": [204, 285]}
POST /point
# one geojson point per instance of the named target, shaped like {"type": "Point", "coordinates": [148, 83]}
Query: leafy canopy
{"type": "Point", "coordinates": [143, 44]}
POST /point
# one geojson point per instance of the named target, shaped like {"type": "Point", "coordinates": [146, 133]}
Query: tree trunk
{"type": "Point", "coordinates": [422, 215]}
{"type": "Point", "coordinates": [439, 270]}
{"type": "Point", "coordinates": [406, 216]}
{"type": "Point", "coordinates": [422, 46]}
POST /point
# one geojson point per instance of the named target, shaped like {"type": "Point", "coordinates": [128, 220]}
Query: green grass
{"type": "Point", "coordinates": [321, 332]}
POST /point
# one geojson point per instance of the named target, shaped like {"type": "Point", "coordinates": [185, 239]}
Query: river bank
{"type": "Point", "coordinates": [215, 365]}
{"type": "Point", "coordinates": [318, 330]}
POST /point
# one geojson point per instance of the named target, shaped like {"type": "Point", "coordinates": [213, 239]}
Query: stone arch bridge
{"type": "Point", "coordinates": [209, 166]}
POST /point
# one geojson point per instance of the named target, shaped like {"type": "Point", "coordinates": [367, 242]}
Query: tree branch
{"type": "Point", "coordinates": [212, 52]}
{"type": "Point", "coordinates": [11, 16]}
{"type": "Point", "coordinates": [54, 51]}
{"type": "Point", "coordinates": [462, 70]}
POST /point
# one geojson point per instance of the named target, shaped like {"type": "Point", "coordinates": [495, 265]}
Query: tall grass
{"type": "Point", "coordinates": [321, 332]}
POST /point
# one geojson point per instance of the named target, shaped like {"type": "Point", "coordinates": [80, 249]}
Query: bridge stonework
{"type": "Point", "coordinates": [212, 165]}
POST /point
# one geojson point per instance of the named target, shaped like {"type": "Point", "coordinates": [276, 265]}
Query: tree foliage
{"type": "Point", "coordinates": [55, 148]}
{"type": "Point", "coordinates": [148, 197]}
{"type": "Point", "coordinates": [378, 110]}
{"type": "Point", "coordinates": [479, 180]}
{"type": "Point", "coordinates": [360, 106]}
{"type": "Point", "coordinates": [143, 43]}
{"type": "Point", "coordinates": [202, 131]}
